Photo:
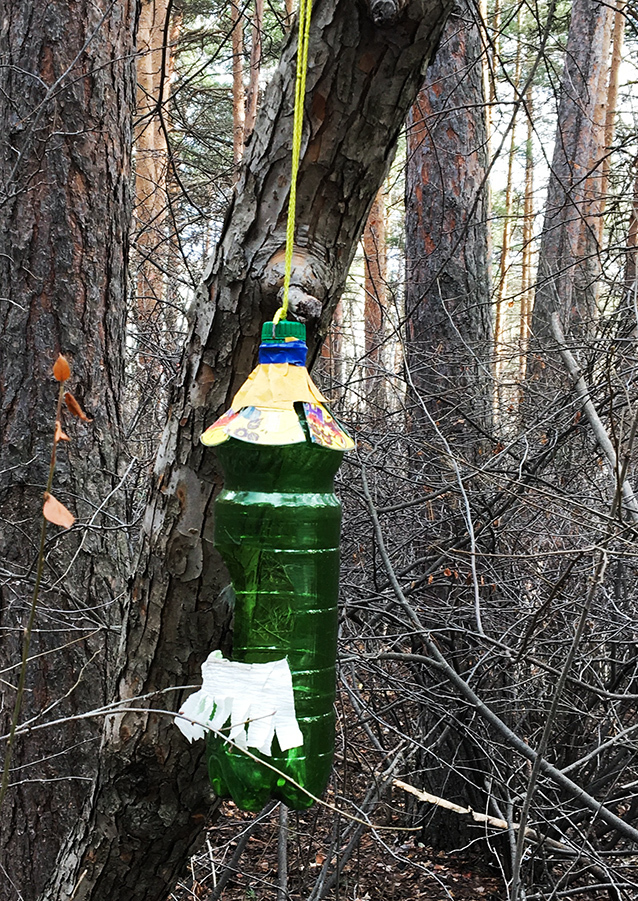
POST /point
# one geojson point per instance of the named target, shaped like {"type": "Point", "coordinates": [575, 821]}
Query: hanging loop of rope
{"type": "Point", "coordinates": [305, 10]}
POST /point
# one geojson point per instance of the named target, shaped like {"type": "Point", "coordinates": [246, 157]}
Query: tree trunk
{"type": "Point", "coordinates": [151, 156]}
{"type": "Point", "coordinates": [447, 274]}
{"type": "Point", "coordinates": [239, 93]}
{"type": "Point", "coordinates": [67, 89]}
{"type": "Point", "coordinates": [503, 275]}
{"type": "Point", "coordinates": [503, 268]}
{"type": "Point", "coordinates": [617, 41]}
{"type": "Point", "coordinates": [631, 260]}
{"type": "Point", "coordinates": [449, 345]}
{"type": "Point", "coordinates": [525, 319]}
{"type": "Point", "coordinates": [568, 262]}
{"type": "Point", "coordinates": [149, 802]}
{"type": "Point", "coordinates": [252, 98]}
{"type": "Point", "coordinates": [375, 282]}
{"type": "Point", "coordinates": [492, 64]}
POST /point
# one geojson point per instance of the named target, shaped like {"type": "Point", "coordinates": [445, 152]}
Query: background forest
{"type": "Point", "coordinates": [468, 276]}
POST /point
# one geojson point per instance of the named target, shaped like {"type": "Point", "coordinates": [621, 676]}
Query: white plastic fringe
{"type": "Point", "coordinates": [256, 697]}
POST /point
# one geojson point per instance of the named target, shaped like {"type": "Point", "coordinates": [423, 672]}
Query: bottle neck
{"type": "Point", "coordinates": [293, 352]}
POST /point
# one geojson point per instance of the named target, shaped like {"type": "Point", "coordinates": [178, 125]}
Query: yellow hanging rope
{"type": "Point", "coordinates": [305, 10]}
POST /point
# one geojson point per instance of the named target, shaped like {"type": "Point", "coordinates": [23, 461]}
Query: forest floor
{"type": "Point", "coordinates": [333, 856]}
{"type": "Point", "coordinates": [384, 866]}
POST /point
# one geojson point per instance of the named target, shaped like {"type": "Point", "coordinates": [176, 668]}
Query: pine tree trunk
{"type": "Point", "coordinates": [375, 276]}
{"type": "Point", "coordinates": [617, 42]}
{"type": "Point", "coordinates": [568, 262]}
{"type": "Point", "coordinates": [450, 344]}
{"type": "Point", "coordinates": [375, 288]}
{"type": "Point", "coordinates": [502, 288]}
{"type": "Point", "coordinates": [149, 803]}
{"type": "Point", "coordinates": [501, 291]}
{"type": "Point", "coordinates": [448, 307]}
{"type": "Point", "coordinates": [631, 262]}
{"type": "Point", "coordinates": [492, 64]}
{"type": "Point", "coordinates": [151, 156]}
{"type": "Point", "coordinates": [67, 89]}
{"type": "Point", "coordinates": [239, 93]}
{"type": "Point", "coordinates": [525, 319]}
{"type": "Point", "coordinates": [252, 96]}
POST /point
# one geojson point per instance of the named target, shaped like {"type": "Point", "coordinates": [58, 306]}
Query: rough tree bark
{"type": "Point", "coordinates": [66, 93]}
{"type": "Point", "coordinates": [568, 258]}
{"type": "Point", "coordinates": [149, 801]}
{"type": "Point", "coordinates": [449, 337]}
{"type": "Point", "coordinates": [448, 312]}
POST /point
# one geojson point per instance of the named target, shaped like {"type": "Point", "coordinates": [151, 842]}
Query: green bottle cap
{"type": "Point", "coordinates": [284, 329]}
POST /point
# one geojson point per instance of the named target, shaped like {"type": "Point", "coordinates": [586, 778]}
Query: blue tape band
{"type": "Point", "coordinates": [291, 352]}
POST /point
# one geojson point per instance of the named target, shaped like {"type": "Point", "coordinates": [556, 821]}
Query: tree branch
{"type": "Point", "coordinates": [600, 433]}
{"type": "Point", "coordinates": [435, 658]}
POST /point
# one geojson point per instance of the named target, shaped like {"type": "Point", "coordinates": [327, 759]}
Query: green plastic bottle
{"type": "Point", "coordinates": [277, 525]}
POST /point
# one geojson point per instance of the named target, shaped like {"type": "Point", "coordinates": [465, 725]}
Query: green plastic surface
{"type": "Point", "coordinates": [283, 329]}
{"type": "Point", "coordinates": [277, 524]}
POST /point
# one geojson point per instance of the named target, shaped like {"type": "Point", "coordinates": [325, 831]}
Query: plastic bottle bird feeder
{"type": "Point", "coordinates": [277, 523]}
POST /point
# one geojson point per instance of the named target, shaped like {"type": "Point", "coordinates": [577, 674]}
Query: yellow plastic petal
{"type": "Point", "coordinates": [277, 386]}
{"type": "Point", "coordinates": [263, 411]}
{"type": "Point", "coordinates": [216, 433]}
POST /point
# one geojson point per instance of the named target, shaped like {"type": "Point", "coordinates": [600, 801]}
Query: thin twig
{"type": "Point", "coordinates": [437, 659]}
{"type": "Point", "coordinates": [600, 433]}
{"type": "Point", "coordinates": [282, 855]}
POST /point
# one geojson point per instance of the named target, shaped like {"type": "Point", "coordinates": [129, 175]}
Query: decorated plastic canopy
{"type": "Point", "coordinates": [279, 398]}
{"type": "Point", "coordinates": [269, 712]}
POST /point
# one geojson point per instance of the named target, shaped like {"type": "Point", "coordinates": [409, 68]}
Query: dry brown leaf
{"type": "Point", "coordinates": [59, 434]}
{"type": "Point", "coordinates": [56, 512]}
{"type": "Point", "coordinates": [61, 369]}
{"type": "Point", "coordinates": [75, 408]}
